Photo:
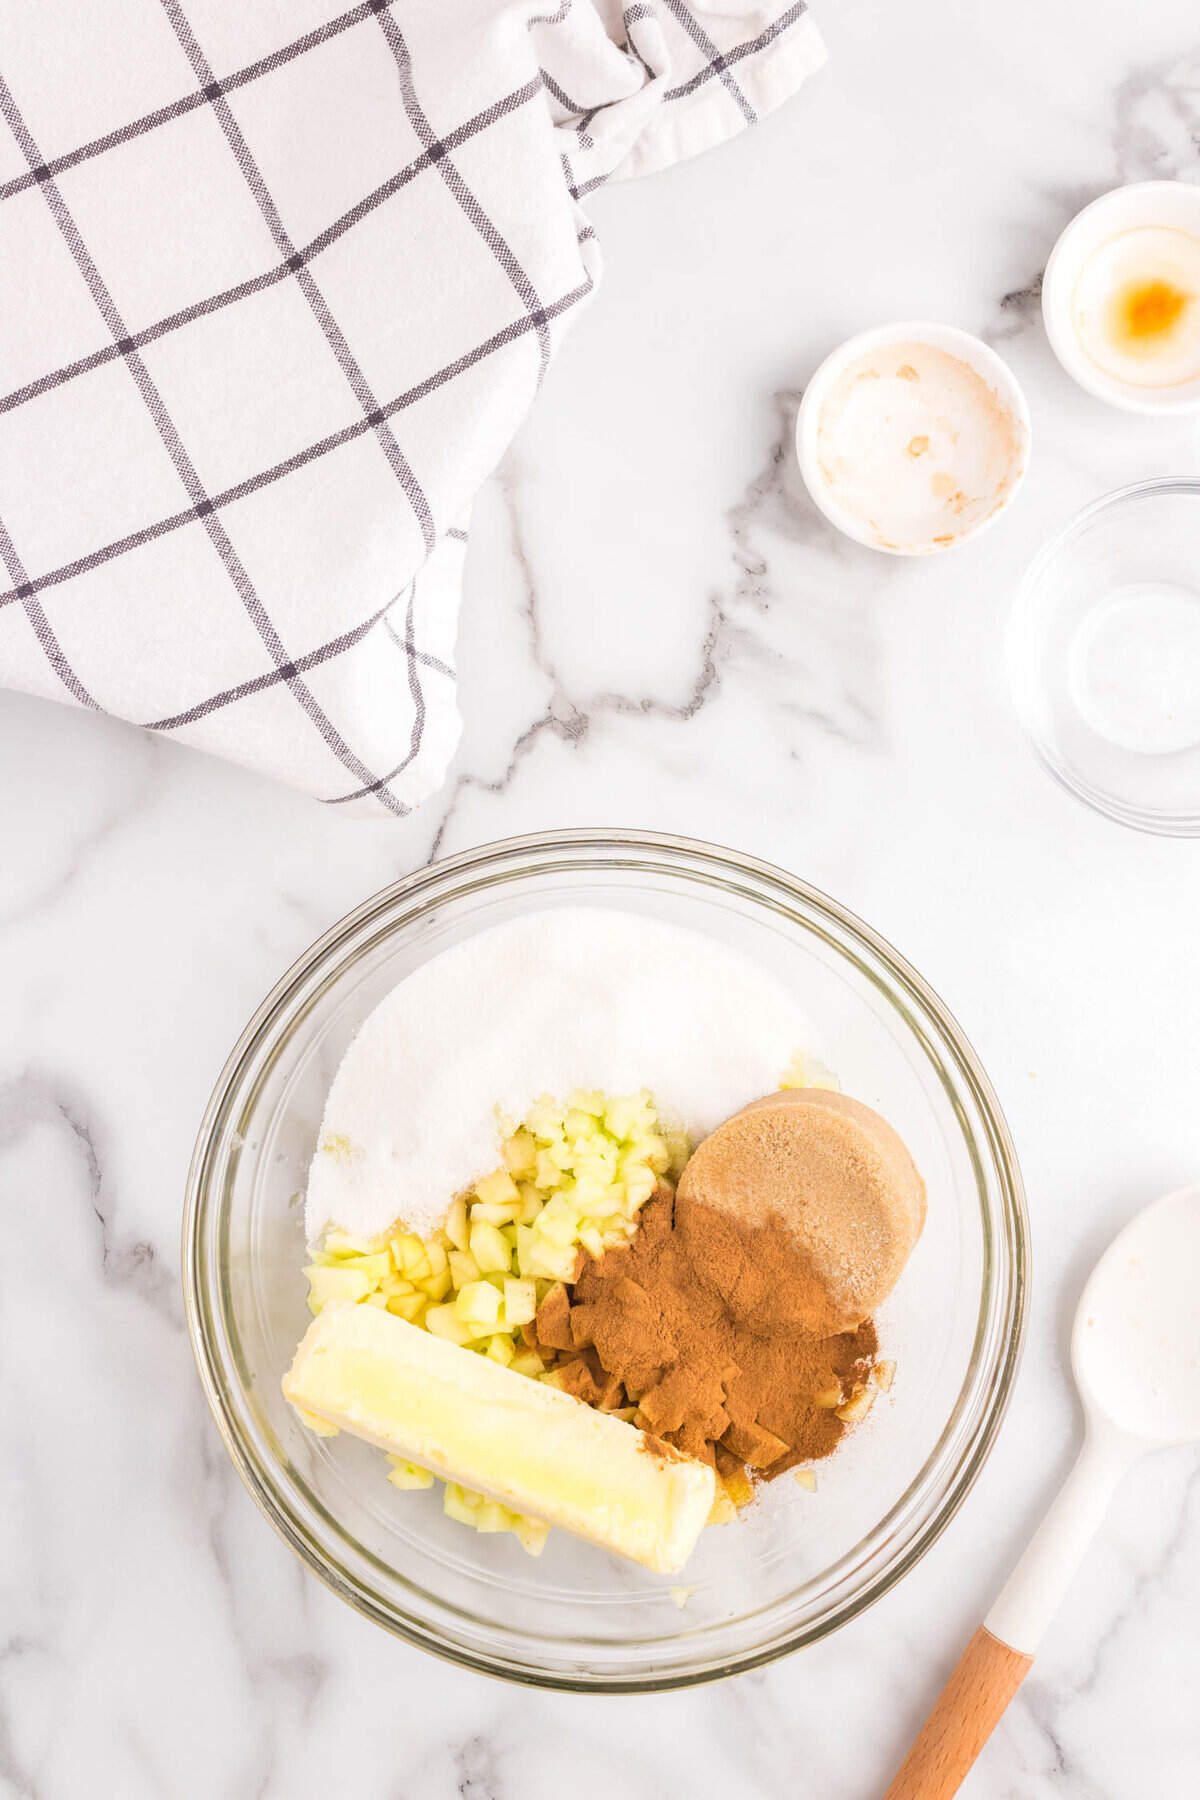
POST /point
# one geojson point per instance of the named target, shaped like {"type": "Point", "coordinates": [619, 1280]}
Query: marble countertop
{"type": "Point", "coordinates": [659, 632]}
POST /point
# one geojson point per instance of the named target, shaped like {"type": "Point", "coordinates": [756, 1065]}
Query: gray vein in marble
{"type": "Point", "coordinates": [1021, 311]}
{"type": "Point", "coordinates": [830, 675]}
{"type": "Point", "coordinates": [1156, 137]}
{"type": "Point", "coordinates": [476, 1769]}
{"type": "Point", "coordinates": [17, 1779]}
{"type": "Point", "coordinates": [206, 1482]}
{"type": "Point", "coordinates": [1156, 132]}
{"type": "Point", "coordinates": [1141, 1592]}
{"type": "Point", "coordinates": [305, 1674]}
{"type": "Point", "coordinates": [1039, 1705]}
{"type": "Point", "coordinates": [566, 717]}
{"type": "Point", "coordinates": [786, 629]}
{"type": "Point", "coordinates": [33, 1098]}
{"type": "Point", "coordinates": [131, 796]}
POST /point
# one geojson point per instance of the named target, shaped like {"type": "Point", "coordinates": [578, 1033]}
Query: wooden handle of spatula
{"type": "Point", "coordinates": [967, 1712]}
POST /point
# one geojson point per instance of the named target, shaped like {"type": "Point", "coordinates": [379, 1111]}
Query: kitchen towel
{"type": "Point", "coordinates": [278, 282]}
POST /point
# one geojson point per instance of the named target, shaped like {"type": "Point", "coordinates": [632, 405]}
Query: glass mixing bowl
{"type": "Point", "coordinates": [798, 1564]}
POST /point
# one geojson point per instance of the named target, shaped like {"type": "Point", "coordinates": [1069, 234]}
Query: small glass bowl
{"type": "Point", "coordinates": [1104, 656]}
{"type": "Point", "coordinates": [799, 1564]}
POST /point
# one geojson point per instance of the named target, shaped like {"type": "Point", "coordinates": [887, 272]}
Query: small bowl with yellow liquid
{"type": "Point", "coordinates": [1121, 297]}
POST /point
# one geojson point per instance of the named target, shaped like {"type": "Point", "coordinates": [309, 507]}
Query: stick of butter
{"type": "Point", "coordinates": [520, 1441]}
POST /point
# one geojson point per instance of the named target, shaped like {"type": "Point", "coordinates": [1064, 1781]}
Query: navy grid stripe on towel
{"type": "Point", "coordinates": [187, 516]}
{"type": "Point", "coordinates": [162, 115]}
{"type": "Point", "coordinates": [718, 60]}
{"type": "Point", "coordinates": [284, 300]}
{"type": "Point", "coordinates": [304, 276]}
{"type": "Point", "coordinates": [458, 187]}
{"type": "Point", "coordinates": [202, 506]}
{"type": "Point", "coordinates": [281, 271]}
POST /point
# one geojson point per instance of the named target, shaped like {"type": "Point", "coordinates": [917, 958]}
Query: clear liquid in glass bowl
{"type": "Point", "coordinates": [798, 1564]}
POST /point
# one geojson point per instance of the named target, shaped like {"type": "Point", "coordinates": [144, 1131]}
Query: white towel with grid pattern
{"type": "Point", "coordinates": [278, 283]}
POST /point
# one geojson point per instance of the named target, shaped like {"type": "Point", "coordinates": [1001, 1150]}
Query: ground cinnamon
{"type": "Point", "coordinates": [674, 1325]}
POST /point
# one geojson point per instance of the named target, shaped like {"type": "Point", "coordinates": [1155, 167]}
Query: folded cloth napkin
{"type": "Point", "coordinates": [278, 282]}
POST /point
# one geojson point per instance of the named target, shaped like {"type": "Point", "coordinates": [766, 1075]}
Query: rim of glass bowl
{"type": "Point", "coordinates": [1026, 608]}
{"type": "Point", "coordinates": [917, 1519]}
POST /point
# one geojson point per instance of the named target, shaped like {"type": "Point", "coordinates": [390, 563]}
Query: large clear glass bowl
{"type": "Point", "coordinates": [799, 1564]}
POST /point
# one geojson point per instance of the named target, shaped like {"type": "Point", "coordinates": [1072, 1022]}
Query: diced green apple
{"type": "Point", "coordinates": [408, 1475]}
{"type": "Point", "coordinates": [444, 1322]}
{"type": "Point", "coordinates": [498, 1189]}
{"type": "Point", "coordinates": [456, 1222]}
{"type": "Point", "coordinates": [520, 1303]}
{"type": "Point", "coordinates": [477, 1304]}
{"type": "Point", "coordinates": [333, 1282]}
{"type": "Point", "coordinates": [489, 1248]}
{"type": "Point", "coordinates": [463, 1268]}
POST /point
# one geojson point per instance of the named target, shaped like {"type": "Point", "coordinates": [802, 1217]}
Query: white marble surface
{"type": "Point", "coordinates": [659, 632]}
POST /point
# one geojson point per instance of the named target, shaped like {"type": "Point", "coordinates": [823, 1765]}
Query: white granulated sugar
{"type": "Point", "coordinates": [560, 999]}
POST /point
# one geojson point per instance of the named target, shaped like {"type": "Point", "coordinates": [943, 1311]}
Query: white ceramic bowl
{"type": "Point", "coordinates": [1173, 204]}
{"type": "Point", "coordinates": [1005, 392]}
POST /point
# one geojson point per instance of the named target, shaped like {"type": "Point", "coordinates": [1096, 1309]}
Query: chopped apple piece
{"type": "Point", "coordinates": [497, 1190]}
{"type": "Point", "coordinates": [723, 1509]}
{"type": "Point", "coordinates": [333, 1282]}
{"type": "Point", "coordinates": [489, 1248]}
{"type": "Point", "coordinates": [544, 1119]}
{"type": "Point", "coordinates": [532, 1201]}
{"type": "Point", "coordinates": [408, 1306]}
{"type": "Point", "coordinates": [478, 1304]}
{"type": "Point", "coordinates": [456, 1222]}
{"type": "Point", "coordinates": [407, 1474]}
{"type": "Point", "coordinates": [344, 1243]}
{"type": "Point", "coordinates": [857, 1407]}
{"type": "Point", "coordinates": [314, 1423]}
{"type": "Point", "coordinates": [531, 1534]}
{"type": "Point", "coordinates": [376, 1267]}
{"type": "Point", "coordinates": [520, 1303]}
{"type": "Point", "coordinates": [547, 1173]}
{"type": "Point", "coordinates": [519, 1153]}
{"type": "Point", "coordinates": [558, 1223]}
{"type": "Point", "coordinates": [463, 1268]}
{"type": "Point", "coordinates": [592, 1240]}
{"type": "Point", "coordinates": [444, 1322]}
{"type": "Point", "coordinates": [738, 1486]}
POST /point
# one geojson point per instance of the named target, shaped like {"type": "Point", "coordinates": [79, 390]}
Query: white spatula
{"type": "Point", "coordinates": [1135, 1350]}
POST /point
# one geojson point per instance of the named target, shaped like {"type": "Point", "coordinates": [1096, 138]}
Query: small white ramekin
{"type": "Point", "coordinates": [970, 350]}
{"type": "Point", "coordinates": [1175, 204]}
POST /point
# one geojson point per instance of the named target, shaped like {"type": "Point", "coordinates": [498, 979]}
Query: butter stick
{"type": "Point", "coordinates": [519, 1441]}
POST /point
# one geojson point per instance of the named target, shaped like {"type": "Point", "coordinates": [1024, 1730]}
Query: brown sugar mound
{"type": "Point", "coordinates": [801, 1211]}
